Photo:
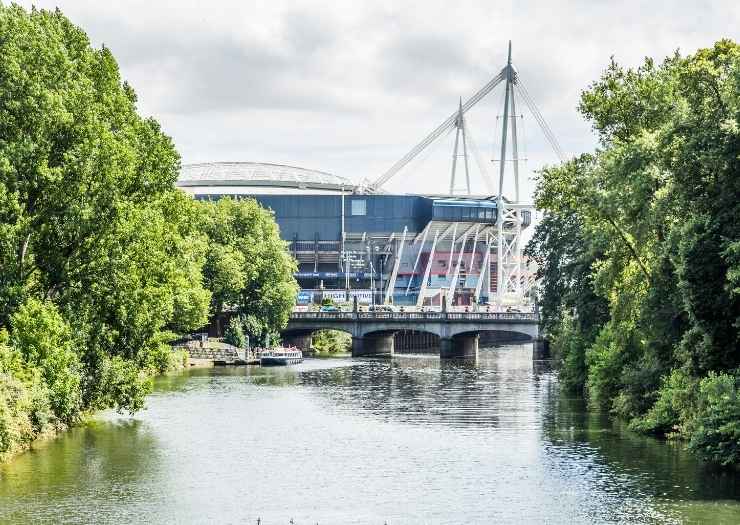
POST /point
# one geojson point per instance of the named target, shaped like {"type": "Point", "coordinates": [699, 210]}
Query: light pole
{"type": "Point", "coordinates": [372, 283]}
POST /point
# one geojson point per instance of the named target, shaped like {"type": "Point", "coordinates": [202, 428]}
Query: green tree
{"type": "Point", "coordinates": [638, 250]}
{"type": "Point", "coordinates": [248, 266]}
{"type": "Point", "coordinates": [331, 341]}
{"type": "Point", "coordinates": [234, 333]}
{"type": "Point", "coordinates": [95, 240]}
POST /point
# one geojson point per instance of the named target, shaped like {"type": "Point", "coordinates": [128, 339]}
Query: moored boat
{"type": "Point", "coordinates": [280, 356]}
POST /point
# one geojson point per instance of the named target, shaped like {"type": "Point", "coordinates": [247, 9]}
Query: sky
{"type": "Point", "coordinates": [348, 87]}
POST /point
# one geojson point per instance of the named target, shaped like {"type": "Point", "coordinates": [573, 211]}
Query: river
{"type": "Point", "coordinates": [338, 441]}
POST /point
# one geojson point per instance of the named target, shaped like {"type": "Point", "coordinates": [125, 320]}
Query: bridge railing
{"type": "Point", "coordinates": [416, 316]}
{"type": "Point", "coordinates": [332, 316]}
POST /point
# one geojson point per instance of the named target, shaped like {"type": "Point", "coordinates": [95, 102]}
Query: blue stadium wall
{"type": "Point", "coordinates": [319, 217]}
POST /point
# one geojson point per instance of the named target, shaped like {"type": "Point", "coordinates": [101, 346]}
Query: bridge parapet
{"type": "Point", "coordinates": [465, 317]}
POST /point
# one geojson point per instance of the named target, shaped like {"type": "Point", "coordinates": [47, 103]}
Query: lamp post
{"type": "Point", "coordinates": [372, 283]}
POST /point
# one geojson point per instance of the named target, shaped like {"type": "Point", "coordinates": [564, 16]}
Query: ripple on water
{"type": "Point", "coordinates": [412, 440]}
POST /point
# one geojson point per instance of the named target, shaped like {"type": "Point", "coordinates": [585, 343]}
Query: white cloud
{"type": "Point", "coordinates": [349, 87]}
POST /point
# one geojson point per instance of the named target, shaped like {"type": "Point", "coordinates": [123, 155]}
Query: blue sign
{"type": "Point", "coordinates": [304, 297]}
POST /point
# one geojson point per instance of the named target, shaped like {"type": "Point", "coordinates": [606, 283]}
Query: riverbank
{"type": "Point", "coordinates": [638, 255]}
{"type": "Point", "coordinates": [463, 444]}
{"type": "Point", "coordinates": [21, 430]}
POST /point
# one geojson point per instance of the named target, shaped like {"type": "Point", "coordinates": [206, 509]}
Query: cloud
{"type": "Point", "coordinates": [348, 87]}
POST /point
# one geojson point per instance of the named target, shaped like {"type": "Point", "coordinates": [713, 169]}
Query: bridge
{"type": "Point", "coordinates": [373, 332]}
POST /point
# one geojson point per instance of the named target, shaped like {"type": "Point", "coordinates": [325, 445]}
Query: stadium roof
{"type": "Point", "coordinates": [259, 174]}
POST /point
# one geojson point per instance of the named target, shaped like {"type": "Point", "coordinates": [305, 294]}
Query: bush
{"type": "Point", "coordinates": [125, 385]}
{"type": "Point", "coordinates": [331, 341]}
{"type": "Point", "coordinates": [671, 411]}
{"type": "Point", "coordinates": [44, 341]}
{"type": "Point", "coordinates": [25, 412]}
{"type": "Point", "coordinates": [716, 430]}
{"type": "Point", "coordinates": [234, 334]}
{"type": "Point", "coordinates": [603, 360]}
{"type": "Point", "coordinates": [569, 349]}
{"type": "Point", "coordinates": [16, 428]}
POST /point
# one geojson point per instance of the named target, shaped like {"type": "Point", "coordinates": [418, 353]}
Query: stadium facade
{"type": "Point", "coordinates": [380, 248]}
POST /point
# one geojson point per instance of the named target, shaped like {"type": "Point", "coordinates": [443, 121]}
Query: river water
{"type": "Point", "coordinates": [338, 441]}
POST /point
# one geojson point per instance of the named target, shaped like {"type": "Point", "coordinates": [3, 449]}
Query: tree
{"type": "Point", "coordinates": [234, 334]}
{"type": "Point", "coordinates": [248, 267]}
{"type": "Point", "coordinates": [638, 251]}
{"type": "Point", "coordinates": [91, 225]}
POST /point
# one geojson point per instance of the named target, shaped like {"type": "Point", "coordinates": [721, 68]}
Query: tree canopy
{"type": "Point", "coordinates": [639, 249]}
{"type": "Point", "coordinates": [102, 259]}
{"type": "Point", "coordinates": [248, 267]}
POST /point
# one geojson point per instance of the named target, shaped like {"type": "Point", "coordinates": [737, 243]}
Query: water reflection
{"type": "Point", "coordinates": [408, 440]}
{"type": "Point", "coordinates": [454, 393]}
{"type": "Point", "coordinates": [661, 468]}
{"type": "Point", "coordinates": [119, 454]}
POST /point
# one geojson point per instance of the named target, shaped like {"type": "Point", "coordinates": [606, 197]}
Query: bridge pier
{"type": "Point", "coordinates": [300, 341]}
{"type": "Point", "coordinates": [380, 344]}
{"type": "Point", "coordinates": [540, 349]}
{"type": "Point", "coordinates": [461, 346]}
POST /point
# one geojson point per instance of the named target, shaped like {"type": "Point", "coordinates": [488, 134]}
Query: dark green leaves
{"type": "Point", "coordinates": [638, 249]}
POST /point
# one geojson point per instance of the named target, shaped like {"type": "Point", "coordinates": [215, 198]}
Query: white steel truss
{"type": "Point", "coordinates": [509, 250]}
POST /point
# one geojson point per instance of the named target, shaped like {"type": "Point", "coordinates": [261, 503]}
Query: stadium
{"type": "Point", "coordinates": [379, 248]}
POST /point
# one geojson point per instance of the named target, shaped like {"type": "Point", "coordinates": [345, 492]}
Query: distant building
{"type": "Point", "coordinates": [370, 246]}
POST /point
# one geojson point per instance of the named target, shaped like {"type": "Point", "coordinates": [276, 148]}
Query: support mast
{"type": "Point", "coordinates": [460, 130]}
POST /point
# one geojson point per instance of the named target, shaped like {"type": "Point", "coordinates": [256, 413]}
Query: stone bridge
{"type": "Point", "coordinates": [372, 332]}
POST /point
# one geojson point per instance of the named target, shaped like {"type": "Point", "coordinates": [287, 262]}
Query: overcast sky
{"type": "Point", "coordinates": [349, 86]}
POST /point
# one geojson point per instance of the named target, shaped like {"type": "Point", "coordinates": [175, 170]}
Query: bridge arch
{"type": "Point", "coordinates": [302, 338]}
{"type": "Point", "coordinates": [415, 342]}
{"type": "Point", "coordinates": [488, 336]}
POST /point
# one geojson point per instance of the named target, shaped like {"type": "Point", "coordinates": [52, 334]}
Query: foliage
{"type": "Point", "coordinates": [234, 334]}
{"type": "Point", "coordinates": [676, 402]}
{"type": "Point", "coordinates": [103, 260]}
{"type": "Point", "coordinates": [331, 341]}
{"type": "Point", "coordinates": [44, 341]}
{"type": "Point", "coordinates": [716, 430]}
{"type": "Point", "coordinates": [248, 267]}
{"type": "Point", "coordinates": [101, 256]}
{"type": "Point", "coordinates": [638, 252]}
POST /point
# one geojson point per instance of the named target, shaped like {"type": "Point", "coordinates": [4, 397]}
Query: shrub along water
{"type": "Point", "coordinates": [330, 342]}
{"type": "Point", "coordinates": [102, 259]}
{"type": "Point", "coordinates": [639, 250]}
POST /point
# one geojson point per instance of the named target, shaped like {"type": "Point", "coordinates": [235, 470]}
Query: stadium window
{"type": "Point", "coordinates": [359, 207]}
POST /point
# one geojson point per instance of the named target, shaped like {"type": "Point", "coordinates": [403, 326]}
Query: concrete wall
{"type": "Point", "coordinates": [460, 347]}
